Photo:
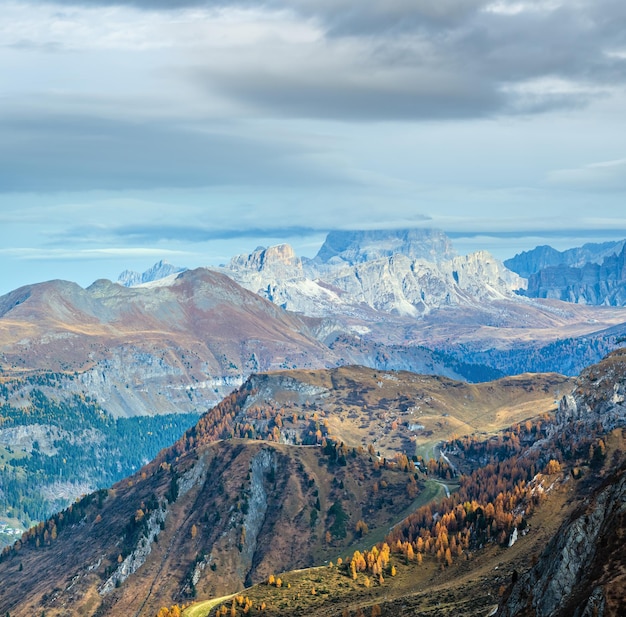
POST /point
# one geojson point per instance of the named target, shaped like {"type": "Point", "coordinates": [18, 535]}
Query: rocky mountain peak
{"type": "Point", "coordinates": [592, 283]}
{"type": "Point", "coordinates": [531, 262]}
{"type": "Point", "coordinates": [161, 269]}
{"type": "Point", "coordinates": [352, 247]}
{"type": "Point", "coordinates": [403, 272]}
{"type": "Point", "coordinates": [280, 260]}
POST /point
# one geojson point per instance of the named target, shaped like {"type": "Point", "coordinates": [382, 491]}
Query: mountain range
{"type": "Point", "coordinates": [160, 270]}
{"type": "Point", "coordinates": [299, 467]}
{"type": "Point", "coordinates": [324, 458]}
{"type": "Point", "coordinates": [541, 257]}
{"type": "Point", "coordinates": [592, 283]}
{"type": "Point", "coordinates": [400, 273]}
{"type": "Point", "coordinates": [178, 344]}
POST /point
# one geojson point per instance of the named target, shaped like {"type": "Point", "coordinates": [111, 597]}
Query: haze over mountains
{"type": "Point", "coordinates": [409, 287]}
{"type": "Point", "coordinates": [591, 283]}
{"type": "Point", "coordinates": [541, 257]}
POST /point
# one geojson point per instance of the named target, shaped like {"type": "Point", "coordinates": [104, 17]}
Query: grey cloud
{"type": "Point", "coordinates": [341, 17]}
{"type": "Point", "coordinates": [341, 97]}
{"type": "Point", "coordinates": [26, 45]}
{"type": "Point", "coordinates": [347, 17]}
{"type": "Point", "coordinates": [42, 152]}
{"type": "Point", "coordinates": [468, 63]}
{"type": "Point", "coordinates": [419, 59]}
{"type": "Point", "coordinates": [573, 232]}
{"type": "Point", "coordinates": [199, 232]}
{"type": "Point", "coordinates": [605, 176]}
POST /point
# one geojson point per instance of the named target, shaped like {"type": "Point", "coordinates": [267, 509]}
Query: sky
{"type": "Point", "coordinates": [134, 131]}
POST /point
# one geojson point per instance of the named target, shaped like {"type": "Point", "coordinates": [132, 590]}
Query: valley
{"type": "Point", "coordinates": [313, 308]}
{"type": "Point", "coordinates": [194, 434]}
{"type": "Point", "coordinates": [215, 512]}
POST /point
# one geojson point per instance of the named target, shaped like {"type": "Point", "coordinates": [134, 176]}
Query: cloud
{"type": "Point", "coordinates": [602, 176]}
{"type": "Point", "coordinates": [358, 92]}
{"type": "Point", "coordinates": [411, 62]}
{"type": "Point", "coordinates": [146, 233]}
{"type": "Point", "coordinates": [38, 254]}
{"type": "Point", "coordinates": [619, 231]}
{"type": "Point", "coordinates": [42, 152]}
{"type": "Point", "coordinates": [402, 60]}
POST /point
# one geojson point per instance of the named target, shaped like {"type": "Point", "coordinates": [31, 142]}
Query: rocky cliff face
{"type": "Point", "coordinates": [352, 247]}
{"type": "Point", "coordinates": [582, 572]}
{"type": "Point", "coordinates": [531, 262]}
{"type": "Point", "coordinates": [398, 284]}
{"type": "Point", "coordinates": [599, 284]}
{"type": "Point", "coordinates": [403, 273]}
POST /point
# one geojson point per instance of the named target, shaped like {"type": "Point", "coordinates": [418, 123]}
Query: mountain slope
{"type": "Point", "coordinates": [582, 571]}
{"type": "Point", "coordinates": [541, 257]}
{"type": "Point", "coordinates": [212, 520]}
{"type": "Point", "coordinates": [207, 516]}
{"type": "Point", "coordinates": [182, 347]}
{"type": "Point", "coordinates": [592, 283]}
{"type": "Point", "coordinates": [215, 512]}
{"type": "Point", "coordinates": [562, 493]}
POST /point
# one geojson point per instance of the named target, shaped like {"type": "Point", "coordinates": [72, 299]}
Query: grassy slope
{"type": "Point", "coordinates": [469, 587]}
{"type": "Point", "coordinates": [362, 406]}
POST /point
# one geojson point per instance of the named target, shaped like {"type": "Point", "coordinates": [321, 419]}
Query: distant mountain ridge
{"type": "Point", "coordinates": [406, 272]}
{"type": "Point", "coordinates": [182, 346]}
{"type": "Point", "coordinates": [599, 284]}
{"type": "Point", "coordinates": [160, 270]}
{"type": "Point", "coordinates": [531, 262]}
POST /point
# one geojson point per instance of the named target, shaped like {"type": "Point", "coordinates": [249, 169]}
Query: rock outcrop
{"type": "Point", "coordinates": [361, 274]}
{"type": "Point", "coordinates": [541, 257]}
{"type": "Point", "coordinates": [157, 272]}
{"type": "Point", "coordinates": [581, 571]}
{"type": "Point", "coordinates": [599, 284]}
{"type": "Point", "coordinates": [352, 247]}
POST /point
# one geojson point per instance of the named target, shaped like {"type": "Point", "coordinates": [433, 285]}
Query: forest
{"type": "Point", "coordinates": [85, 447]}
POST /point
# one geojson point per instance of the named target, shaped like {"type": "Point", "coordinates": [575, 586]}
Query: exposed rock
{"type": "Point", "coordinates": [352, 247]}
{"type": "Point", "coordinates": [138, 557]}
{"type": "Point", "coordinates": [398, 284]}
{"type": "Point", "coordinates": [262, 464]}
{"type": "Point", "coordinates": [599, 397]}
{"type": "Point", "coordinates": [563, 581]}
{"type": "Point", "coordinates": [361, 274]}
{"type": "Point", "coordinates": [265, 388]}
{"type": "Point", "coordinates": [531, 262]}
{"type": "Point", "coordinates": [279, 261]}
{"type": "Point", "coordinates": [598, 284]}
{"type": "Point", "coordinates": [583, 565]}
{"type": "Point", "coordinates": [158, 271]}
